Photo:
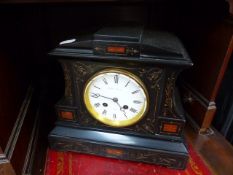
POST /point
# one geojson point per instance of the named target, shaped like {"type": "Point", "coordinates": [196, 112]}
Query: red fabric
{"type": "Point", "coordinates": [60, 163]}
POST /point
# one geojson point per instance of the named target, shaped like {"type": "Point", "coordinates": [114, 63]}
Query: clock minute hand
{"type": "Point", "coordinates": [122, 109]}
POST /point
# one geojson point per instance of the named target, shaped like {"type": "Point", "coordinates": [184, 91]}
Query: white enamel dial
{"type": "Point", "coordinates": [116, 97]}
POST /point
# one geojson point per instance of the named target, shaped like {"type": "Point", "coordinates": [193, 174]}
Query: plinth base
{"type": "Point", "coordinates": [171, 154]}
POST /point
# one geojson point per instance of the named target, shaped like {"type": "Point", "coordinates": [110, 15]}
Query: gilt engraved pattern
{"type": "Point", "coordinates": [195, 167]}
{"type": "Point", "coordinates": [168, 100]}
{"type": "Point", "coordinates": [128, 154]}
{"type": "Point", "coordinates": [156, 158]}
{"type": "Point", "coordinates": [153, 75]}
{"type": "Point", "coordinates": [60, 163]}
{"type": "Point", "coordinates": [87, 121]}
{"type": "Point", "coordinates": [67, 78]}
{"type": "Point", "coordinates": [81, 71]}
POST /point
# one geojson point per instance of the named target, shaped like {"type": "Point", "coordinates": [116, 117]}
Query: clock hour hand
{"type": "Point", "coordinates": [106, 97]}
{"type": "Point", "coordinates": [96, 95]}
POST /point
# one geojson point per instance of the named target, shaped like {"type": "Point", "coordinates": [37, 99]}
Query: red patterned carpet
{"type": "Point", "coordinates": [59, 163]}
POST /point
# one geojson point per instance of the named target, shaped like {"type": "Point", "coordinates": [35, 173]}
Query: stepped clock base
{"type": "Point", "coordinates": [125, 147]}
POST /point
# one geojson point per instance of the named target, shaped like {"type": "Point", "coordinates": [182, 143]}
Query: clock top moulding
{"type": "Point", "coordinates": [166, 49]}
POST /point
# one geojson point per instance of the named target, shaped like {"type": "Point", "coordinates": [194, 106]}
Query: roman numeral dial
{"type": "Point", "coordinates": [116, 78]}
{"type": "Point", "coordinates": [116, 97]}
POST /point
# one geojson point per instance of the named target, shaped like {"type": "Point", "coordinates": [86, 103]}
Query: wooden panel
{"type": "Point", "coordinates": [211, 57]}
{"type": "Point", "coordinates": [12, 92]}
{"type": "Point", "coordinates": [6, 169]}
{"type": "Point", "coordinates": [16, 120]}
{"type": "Point", "coordinates": [17, 67]}
{"type": "Point", "coordinates": [20, 144]}
{"type": "Point", "coordinates": [54, 1]}
{"type": "Point", "coordinates": [5, 166]}
{"type": "Point", "coordinates": [198, 106]}
{"type": "Point", "coordinates": [231, 6]}
{"type": "Point", "coordinates": [214, 150]}
{"type": "Point", "coordinates": [210, 60]}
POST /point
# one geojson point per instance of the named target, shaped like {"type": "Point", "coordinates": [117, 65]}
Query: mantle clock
{"type": "Point", "coordinates": [120, 98]}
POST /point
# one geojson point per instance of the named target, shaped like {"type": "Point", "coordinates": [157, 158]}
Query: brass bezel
{"type": "Point", "coordinates": [105, 120]}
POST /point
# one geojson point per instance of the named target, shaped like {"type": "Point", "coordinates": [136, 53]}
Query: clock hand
{"type": "Point", "coordinates": [106, 97]}
{"type": "Point", "coordinates": [95, 95]}
{"type": "Point", "coordinates": [124, 112]}
{"type": "Point", "coordinates": [116, 101]}
{"type": "Point", "coordinates": [122, 109]}
{"type": "Point", "coordinates": [113, 99]}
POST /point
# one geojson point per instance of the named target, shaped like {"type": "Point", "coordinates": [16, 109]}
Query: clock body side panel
{"type": "Point", "coordinates": [172, 117]}
{"type": "Point", "coordinates": [154, 78]}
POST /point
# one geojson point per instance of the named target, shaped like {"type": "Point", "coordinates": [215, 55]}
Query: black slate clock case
{"type": "Point", "coordinates": [156, 58]}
